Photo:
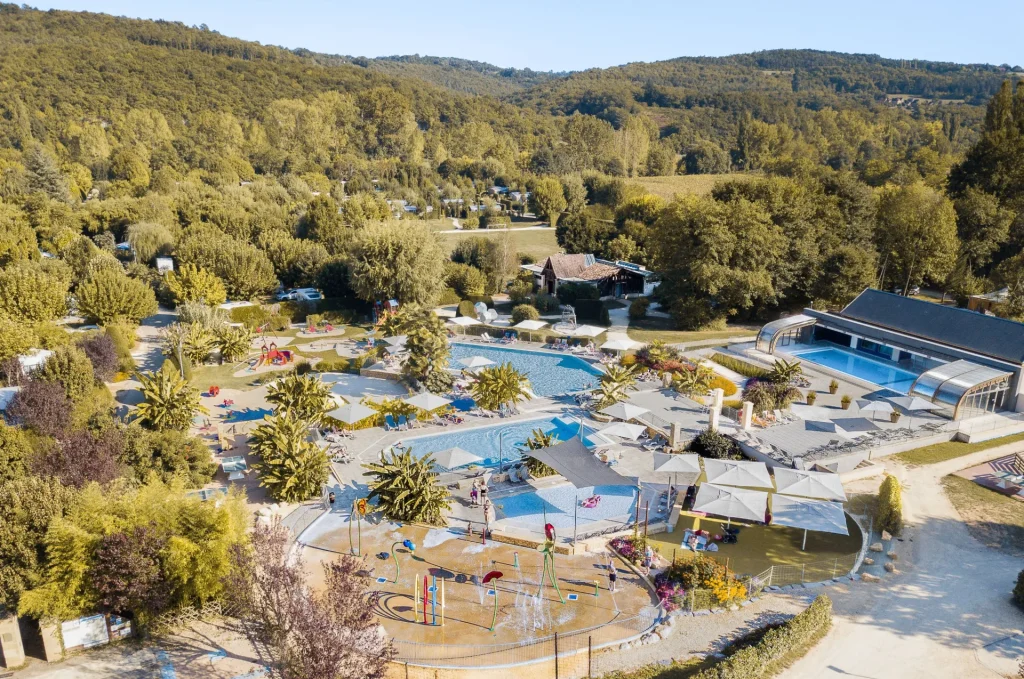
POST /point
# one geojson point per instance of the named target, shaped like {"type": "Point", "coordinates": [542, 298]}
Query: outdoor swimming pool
{"type": "Point", "coordinates": [556, 505]}
{"type": "Point", "coordinates": [858, 365]}
{"type": "Point", "coordinates": [549, 373]}
{"type": "Point", "coordinates": [490, 443]}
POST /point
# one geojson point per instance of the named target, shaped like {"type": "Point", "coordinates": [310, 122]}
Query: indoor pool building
{"type": "Point", "coordinates": [967, 363]}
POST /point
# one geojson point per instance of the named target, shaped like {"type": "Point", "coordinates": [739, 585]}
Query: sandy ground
{"type": "Point", "coordinates": [948, 613]}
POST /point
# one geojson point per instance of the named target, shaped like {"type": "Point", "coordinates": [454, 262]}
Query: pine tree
{"type": "Point", "coordinates": [43, 174]}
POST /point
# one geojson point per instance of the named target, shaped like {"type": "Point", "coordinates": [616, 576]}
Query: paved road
{"type": "Point", "coordinates": [947, 615]}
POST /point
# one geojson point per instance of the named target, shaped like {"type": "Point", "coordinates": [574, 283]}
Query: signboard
{"type": "Point", "coordinates": [85, 632]}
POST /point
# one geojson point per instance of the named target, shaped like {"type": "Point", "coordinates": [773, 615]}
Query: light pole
{"type": "Point", "coordinates": [501, 448]}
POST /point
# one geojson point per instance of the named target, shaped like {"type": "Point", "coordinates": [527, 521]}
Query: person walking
{"type": "Point", "coordinates": [648, 560]}
{"type": "Point", "coordinates": [613, 574]}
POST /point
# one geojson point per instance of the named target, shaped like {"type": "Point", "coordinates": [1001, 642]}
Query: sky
{"type": "Point", "coordinates": [560, 36]}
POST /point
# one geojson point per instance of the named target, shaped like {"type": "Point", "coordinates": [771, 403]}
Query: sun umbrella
{"type": "Point", "coordinates": [678, 463]}
{"type": "Point", "coordinates": [874, 406]}
{"type": "Point", "coordinates": [427, 401]}
{"type": "Point", "coordinates": [476, 362]}
{"type": "Point", "coordinates": [827, 426]}
{"type": "Point", "coordinates": [530, 325]}
{"type": "Point", "coordinates": [621, 345]}
{"type": "Point", "coordinates": [623, 411]}
{"type": "Point", "coordinates": [816, 515]}
{"type": "Point", "coordinates": [396, 341]}
{"type": "Point", "coordinates": [464, 321]}
{"type": "Point", "coordinates": [817, 485]}
{"type": "Point", "coordinates": [352, 413]}
{"type": "Point", "coordinates": [806, 412]}
{"type": "Point", "coordinates": [913, 404]}
{"type": "Point", "coordinates": [738, 473]}
{"type": "Point", "coordinates": [455, 457]}
{"type": "Point", "coordinates": [624, 431]}
{"type": "Point", "coordinates": [585, 331]}
{"type": "Point", "coordinates": [730, 502]}
{"type": "Point", "coordinates": [857, 425]}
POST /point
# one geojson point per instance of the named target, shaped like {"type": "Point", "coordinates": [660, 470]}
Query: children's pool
{"type": "Point", "coordinates": [549, 373]}
{"type": "Point", "coordinates": [497, 441]}
{"type": "Point", "coordinates": [556, 505]}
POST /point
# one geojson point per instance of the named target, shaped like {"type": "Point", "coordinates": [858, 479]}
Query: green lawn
{"type": "Point", "coordinates": [223, 376]}
{"type": "Point", "coordinates": [688, 184]}
{"type": "Point", "coordinates": [762, 546]}
{"type": "Point", "coordinates": [993, 519]}
{"type": "Point", "coordinates": [539, 244]}
{"type": "Point", "coordinates": [651, 329]}
{"type": "Point", "coordinates": [940, 452]}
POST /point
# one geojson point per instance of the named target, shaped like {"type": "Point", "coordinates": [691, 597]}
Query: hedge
{"type": "Point", "coordinates": [738, 365]}
{"type": "Point", "coordinates": [778, 647]}
{"type": "Point", "coordinates": [1018, 591]}
{"type": "Point", "coordinates": [890, 505]}
{"type": "Point", "coordinates": [638, 308]}
{"type": "Point", "coordinates": [592, 310]}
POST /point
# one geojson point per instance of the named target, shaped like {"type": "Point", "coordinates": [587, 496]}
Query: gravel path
{"type": "Point", "coordinates": [947, 614]}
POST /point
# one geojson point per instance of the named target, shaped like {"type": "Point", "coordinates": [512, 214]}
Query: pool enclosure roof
{"type": "Point", "coordinates": [989, 336]}
{"type": "Point", "coordinates": [771, 332]}
{"type": "Point", "coordinates": [578, 465]}
{"type": "Point", "coordinates": [951, 383]}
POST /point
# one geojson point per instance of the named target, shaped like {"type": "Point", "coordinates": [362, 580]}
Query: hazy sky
{"type": "Point", "coordinates": [553, 35]}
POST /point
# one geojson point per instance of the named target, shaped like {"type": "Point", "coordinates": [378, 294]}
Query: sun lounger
{"type": "Point", "coordinates": [402, 422]}
{"type": "Point", "coordinates": [389, 423]}
{"type": "Point", "coordinates": [485, 337]}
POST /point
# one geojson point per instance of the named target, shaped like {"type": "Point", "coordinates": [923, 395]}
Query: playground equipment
{"type": "Point", "coordinates": [271, 355]}
{"type": "Point", "coordinates": [408, 544]}
{"type": "Point", "coordinates": [490, 578]}
{"type": "Point", "coordinates": [548, 549]}
{"type": "Point", "coordinates": [382, 309]}
{"type": "Point", "coordinates": [358, 512]}
{"type": "Point", "coordinates": [433, 592]}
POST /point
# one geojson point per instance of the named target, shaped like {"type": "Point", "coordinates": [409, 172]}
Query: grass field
{"type": "Point", "coordinates": [940, 452]}
{"type": "Point", "coordinates": [445, 224]}
{"type": "Point", "coordinates": [651, 329]}
{"type": "Point", "coordinates": [686, 184]}
{"type": "Point", "coordinates": [994, 520]}
{"type": "Point", "coordinates": [539, 244]}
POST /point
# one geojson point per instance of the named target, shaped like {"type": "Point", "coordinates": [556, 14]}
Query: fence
{"type": "Point", "coordinates": [571, 652]}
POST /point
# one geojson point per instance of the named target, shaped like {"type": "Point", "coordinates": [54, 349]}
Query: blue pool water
{"type": "Point", "coordinates": [484, 441]}
{"type": "Point", "coordinates": [528, 510]}
{"type": "Point", "coordinates": [549, 374]}
{"type": "Point", "coordinates": [879, 372]}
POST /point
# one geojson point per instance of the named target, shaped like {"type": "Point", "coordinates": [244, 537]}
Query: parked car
{"type": "Point", "coordinates": [306, 295]}
{"type": "Point", "coordinates": [285, 295]}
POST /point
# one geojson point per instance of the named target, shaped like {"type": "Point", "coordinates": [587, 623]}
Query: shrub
{"type": "Point", "coordinates": [727, 386]}
{"type": "Point", "coordinates": [734, 403]}
{"type": "Point", "coordinates": [1018, 590]}
{"type": "Point", "coordinates": [524, 312]}
{"type": "Point", "coordinates": [251, 316]}
{"type": "Point", "coordinates": [571, 293]}
{"type": "Point", "coordinates": [333, 365]}
{"type": "Point", "coordinates": [715, 445]}
{"type": "Point", "coordinates": [51, 335]}
{"type": "Point", "coordinates": [280, 322]}
{"type": "Point", "coordinates": [592, 310]}
{"type": "Point", "coordinates": [779, 645]}
{"type": "Point", "coordinates": [71, 368]}
{"type": "Point", "coordinates": [109, 294]}
{"type": "Point", "coordinates": [890, 505]}
{"type": "Point", "coordinates": [546, 303]}
{"type": "Point", "coordinates": [694, 573]}
{"type": "Point", "coordinates": [102, 353]}
{"type": "Point", "coordinates": [470, 222]}
{"type": "Point", "coordinates": [449, 296]}
{"type": "Point", "coordinates": [498, 221]}
{"type": "Point", "coordinates": [738, 365]}
{"type": "Point", "coordinates": [638, 308]}
{"type": "Point", "coordinates": [123, 336]}
{"type": "Point", "coordinates": [519, 292]}
{"type": "Point", "coordinates": [466, 308]}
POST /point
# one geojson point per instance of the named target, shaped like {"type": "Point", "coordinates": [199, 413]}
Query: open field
{"type": "Point", "coordinates": [686, 184]}
{"type": "Point", "coordinates": [940, 452]}
{"type": "Point", "coordinates": [993, 519]}
{"type": "Point", "coordinates": [445, 224]}
{"type": "Point", "coordinates": [651, 329]}
{"type": "Point", "coordinates": [539, 244]}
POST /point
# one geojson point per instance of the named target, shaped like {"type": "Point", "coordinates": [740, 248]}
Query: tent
{"type": "Point", "coordinates": [427, 401]}
{"type": "Point", "coordinates": [585, 331]}
{"type": "Point", "coordinates": [818, 485]}
{"type": "Point", "coordinates": [624, 431]}
{"type": "Point", "coordinates": [530, 325]}
{"type": "Point", "coordinates": [455, 457]}
{"type": "Point", "coordinates": [738, 473]}
{"type": "Point", "coordinates": [730, 502]}
{"type": "Point", "coordinates": [623, 411]}
{"type": "Point", "coordinates": [817, 515]}
{"type": "Point", "coordinates": [350, 414]}
{"type": "Point", "coordinates": [578, 465]}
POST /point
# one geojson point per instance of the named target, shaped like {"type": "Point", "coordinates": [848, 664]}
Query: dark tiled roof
{"type": "Point", "coordinates": [582, 267]}
{"type": "Point", "coordinates": [968, 330]}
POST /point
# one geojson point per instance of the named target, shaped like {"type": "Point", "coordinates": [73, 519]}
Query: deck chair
{"type": "Point", "coordinates": [402, 422]}
{"type": "Point", "coordinates": [487, 338]}
{"type": "Point", "coordinates": [389, 423]}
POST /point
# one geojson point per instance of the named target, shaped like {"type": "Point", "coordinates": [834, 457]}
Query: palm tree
{"type": "Point", "coordinates": [291, 467]}
{"type": "Point", "coordinates": [234, 343]}
{"type": "Point", "coordinates": [305, 397]}
{"type": "Point", "coordinates": [784, 372]}
{"type": "Point", "coordinates": [191, 339]}
{"type": "Point", "coordinates": [539, 440]}
{"type": "Point", "coordinates": [500, 385]}
{"type": "Point", "coordinates": [615, 385]}
{"type": "Point", "coordinates": [695, 382]}
{"type": "Point", "coordinates": [170, 403]}
{"type": "Point", "coordinates": [406, 488]}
